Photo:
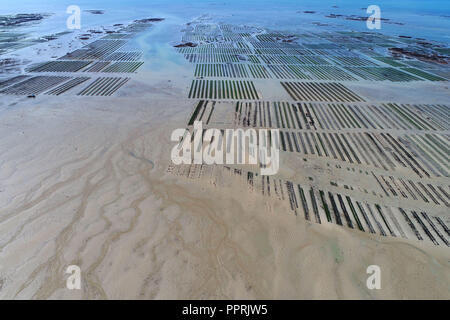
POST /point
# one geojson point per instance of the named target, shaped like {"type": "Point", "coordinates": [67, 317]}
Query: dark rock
{"type": "Point", "coordinates": [14, 20]}
{"type": "Point", "coordinates": [95, 11]}
{"type": "Point", "coordinates": [430, 57]}
{"type": "Point", "coordinates": [149, 20]}
{"type": "Point", "coordinates": [186, 44]}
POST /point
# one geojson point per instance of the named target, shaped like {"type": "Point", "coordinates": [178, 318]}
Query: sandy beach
{"type": "Point", "coordinates": [85, 179]}
{"type": "Point", "coordinates": [108, 206]}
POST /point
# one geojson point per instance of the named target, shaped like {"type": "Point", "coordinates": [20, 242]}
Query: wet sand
{"type": "Point", "coordinates": [86, 184]}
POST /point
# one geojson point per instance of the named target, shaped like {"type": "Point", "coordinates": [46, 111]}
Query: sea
{"type": "Point", "coordinates": [428, 19]}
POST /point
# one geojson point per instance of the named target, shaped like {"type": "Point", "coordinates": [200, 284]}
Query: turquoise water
{"type": "Point", "coordinates": [422, 18]}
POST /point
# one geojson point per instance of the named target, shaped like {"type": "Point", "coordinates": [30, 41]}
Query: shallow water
{"type": "Point", "coordinates": [426, 19]}
{"type": "Point", "coordinates": [159, 54]}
